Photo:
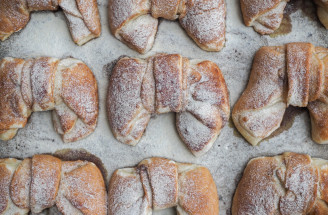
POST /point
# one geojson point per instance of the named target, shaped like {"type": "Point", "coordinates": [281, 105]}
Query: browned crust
{"type": "Point", "coordinates": [14, 16]}
{"type": "Point", "coordinates": [163, 178]}
{"type": "Point", "coordinates": [12, 107]}
{"type": "Point", "coordinates": [212, 94]}
{"type": "Point", "coordinates": [204, 21]}
{"type": "Point", "coordinates": [254, 8]}
{"type": "Point", "coordinates": [130, 10]}
{"type": "Point", "coordinates": [36, 5]}
{"type": "Point", "coordinates": [166, 9]}
{"type": "Point", "coordinates": [286, 184]}
{"type": "Point", "coordinates": [267, 63]}
{"type": "Point", "coordinates": [256, 191]}
{"type": "Point", "coordinates": [123, 98]}
{"type": "Point", "coordinates": [295, 74]}
{"type": "Point", "coordinates": [90, 13]}
{"type": "Point", "coordinates": [299, 56]}
{"type": "Point", "coordinates": [127, 194]}
{"type": "Point", "coordinates": [34, 85]}
{"type": "Point", "coordinates": [167, 71]}
{"type": "Point", "coordinates": [84, 185]}
{"type": "Point", "coordinates": [129, 189]}
{"type": "Point", "coordinates": [168, 80]}
{"type": "Point", "coordinates": [80, 92]}
{"type": "Point", "coordinates": [5, 176]}
{"type": "Point", "coordinates": [20, 184]}
{"type": "Point", "coordinates": [86, 190]}
{"type": "Point", "coordinates": [42, 83]}
{"type": "Point", "coordinates": [198, 192]}
{"type": "Point", "coordinates": [46, 171]}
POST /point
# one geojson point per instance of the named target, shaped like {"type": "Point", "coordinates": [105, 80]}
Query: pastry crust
{"type": "Point", "coordinates": [82, 189]}
{"type": "Point", "coordinates": [45, 182]}
{"type": "Point", "coordinates": [67, 87]}
{"type": "Point", "coordinates": [266, 16]}
{"type": "Point", "coordinates": [135, 23]}
{"type": "Point", "coordinates": [159, 183]}
{"type": "Point", "coordinates": [82, 16]}
{"type": "Point", "coordinates": [7, 206]}
{"type": "Point", "coordinates": [20, 184]}
{"type": "Point", "coordinates": [76, 187]}
{"type": "Point", "coordinates": [287, 184]}
{"type": "Point", "coordinates": [193, 89]}
{"type": "Point", "coordinates": [294, 74]}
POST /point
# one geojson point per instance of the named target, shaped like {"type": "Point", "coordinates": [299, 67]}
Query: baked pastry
{"type": "Point", "coordinates": [294, 74]}
{"type": "Point", "coordinates": [82, 16]}
{"type": "Point", "coordinates": [135, 22]}
{"type": "Point", "coordinates": [158, 183]}
{"type": "Point", "coordinates": [75, 187]}
{"type": "Point", "coordinates": [286, 184]}
{"type": "Point", "coordinates": [194, 89]}
{"type": "Point", "coordinates": [66, 86]}
{"type": "Point", "coordinates": [266, 16]}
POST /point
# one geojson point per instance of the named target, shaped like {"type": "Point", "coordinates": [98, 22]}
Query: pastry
{"type": "Point", "coordinates": [135, 22]}
{"type": "Point", "coordinates": [294, 74]}
{"type": "Point", "coordinates": [158, 183]}
{"type": "Point", "coordinates": [68, 87]}
{"type": "Point", "coordinates": [266, 16]}
{"type": "Point", "coordinates": [82, 16]}
{"type": "Point", "coordinates": [193, 89]}
{"type": "Point", "coordinates": [75, 187]}
{"type": "Point", "coordinates": [286, 184]}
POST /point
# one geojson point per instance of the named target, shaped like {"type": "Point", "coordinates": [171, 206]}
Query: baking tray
{"type": "Point", "coordinates": [47, 35]}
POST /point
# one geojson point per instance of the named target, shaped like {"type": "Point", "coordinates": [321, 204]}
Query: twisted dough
{"type": "Point", "coordinates": [135, 22]}
{"type": "Point", "coordinates": [266, 16]}
{"type": "Point", "coordinates": [82, 16]}
{"type": "Point", "coordinates": [158, 183]}
{"type": "Point", "coordinates": [294, 74]}
{"type": "Point", "coordinates": [287, 184]}
{"type": "Point", "coordinates": [66, 86]}
{"type": "Point", "coordinates": [194, 89]}
{"type": "Point", "coordinates": [76, 187]}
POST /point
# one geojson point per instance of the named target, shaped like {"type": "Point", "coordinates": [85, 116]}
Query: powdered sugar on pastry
{"type": "Point", "coordinates": [204, 21]}
{"type": "Point", "coordinates": [195, 90]}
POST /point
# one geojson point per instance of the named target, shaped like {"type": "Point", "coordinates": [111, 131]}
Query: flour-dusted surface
{"type": "Point", "coordinates": [47, 35]}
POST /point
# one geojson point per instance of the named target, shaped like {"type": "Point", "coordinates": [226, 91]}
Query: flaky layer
{"type": "Point", "coordinates": [266, 16]}
{"type": "Point", "coordinates": [294, 74]}
{"type": "Point", "coordinates": [135, 23]}
{"type": "Point", "coordinates": [193, 89]}
{"type": "Point", "coordinates": [82, 16]}
{"type": "Point", "coordinates": [68, 87]}
{"type": "Point", "coordinates": [288, 184]}
{"type": "Point", "coordinates": [76, 187]}
{"type": "Point", "coordinates": [159, 183]}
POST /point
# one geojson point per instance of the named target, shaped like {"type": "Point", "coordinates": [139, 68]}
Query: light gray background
{"type": "Point", "coordinates": [47, 35]}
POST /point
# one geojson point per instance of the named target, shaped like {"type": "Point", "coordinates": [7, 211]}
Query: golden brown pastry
{"type": "Point", "coordinates": [193, 89]}
{"type": "Point", "coordinates": [135, 22]}
{"type": "Point", "coordinates": [158, 183]}
{"type": "Point", "coordinates": [266, 16]}
{"type": "Point", "coordinates": [286, 184]}
{"type": "Point", "coordinates": [294, 74]}
{"type": "Point", "coordinates": [82, 16]}
{"type": "Point", "coordinates": [76, 187]}
{"type": "Point", "coordinates": [67, 87]}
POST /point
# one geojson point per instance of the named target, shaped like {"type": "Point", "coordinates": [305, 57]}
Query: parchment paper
{"type": "Point", "coordinates": [47, 34]}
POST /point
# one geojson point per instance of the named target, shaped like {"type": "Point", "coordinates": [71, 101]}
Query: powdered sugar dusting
{"type": "Point", "coordinates": [175, 91]}
{"type": "Point", "coordinates": [71, 90]}
{"type": "Point", "coordinates": [204, 21]}
{"type": "Point", "coordinates": [47, 35]}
